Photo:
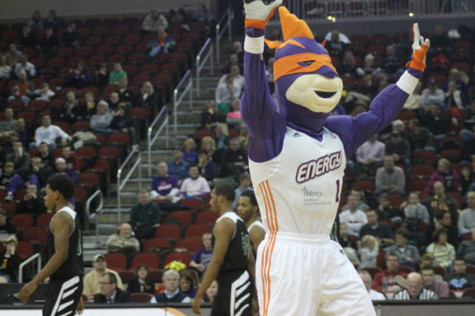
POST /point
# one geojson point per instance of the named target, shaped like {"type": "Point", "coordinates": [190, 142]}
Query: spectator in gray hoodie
{"type": "Point", "coordinates": [101, 121]}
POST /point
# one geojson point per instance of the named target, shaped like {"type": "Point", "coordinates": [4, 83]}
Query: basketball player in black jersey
{"type": "Point", "coordinates": [231, 262]}
{"type": "Point", "coordinates": [64, 265]}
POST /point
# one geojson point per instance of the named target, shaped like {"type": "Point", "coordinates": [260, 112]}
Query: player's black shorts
{"type": "Point", "coordinates": [62, 296]}
{"type": "Point", "coordinates": [234, 294]}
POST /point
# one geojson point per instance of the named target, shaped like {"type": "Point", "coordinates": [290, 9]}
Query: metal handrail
{"type": "Point", "coordinates": [201, 61]}
{"type": "Point", "coordinates": [177, 100]}
{"type": "Point", "coordinates": [98, 211]}
{"type": "Point", "coordinates": [151, 140]}
{"type": "Point", "coordinates": [228, 16]}
{"type": "Point", "coordinates": [121, 184]}
{"type": "Point", "coordinates": [24, 263]}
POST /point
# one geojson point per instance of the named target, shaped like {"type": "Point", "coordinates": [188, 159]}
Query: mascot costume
{"type": "Point", "coordinates": [297, 157]}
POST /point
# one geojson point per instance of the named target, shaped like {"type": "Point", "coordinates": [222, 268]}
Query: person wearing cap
{"type": "Point", "coordinates": [9, 261]}
{"type": "Point", "coordinates": [432, 95]}
{"type": "Point", "coordinates": [399, 149]}
{"type": "Point", "coordinates": [92, 279]}
{"type": "Point", "coordinates": [61, 167]}
{"type": "Point", "coordinates": [390, 178]}
{"type": "Point", "coordinates": [7, 227]}
{"type": "Point", "coordinates": [177, 166]}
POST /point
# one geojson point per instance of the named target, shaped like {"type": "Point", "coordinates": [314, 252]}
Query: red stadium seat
{"type": "Point", "coordinates": [191, 244]}
{"type": "Point", "coordinates": [23, 221]}
{"type": "Point", "coordinates": [141, 297]}
{"type": "Point", "coordinates": [197, 230]}
{"type": "Point", "coordinates": [35, 235]}
{"type": "Point", "coordinates": [44, 219]}
{"type": "Point", "coordinates": [206, 217]}
{"type": "Point", "coordinates": [116, 261]}
{"type": "Point", "coordinates": [126, 276]}
{"type": "Point", "coordinates": [150, 259]}
{"type": "Point", "coordinates": [151, 244]}
{"type": "Point", "coordinates": [184, 217]}
{"type": "Point", "coordinates": [24, 249]}
{"type": "Point", "coordinates": [192, 204]}
{"type": "Point", "coordinates": [170, 231]}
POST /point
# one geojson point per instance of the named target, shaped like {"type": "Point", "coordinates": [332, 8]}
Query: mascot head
{"type": "Point", "coordinates": [307, 85]}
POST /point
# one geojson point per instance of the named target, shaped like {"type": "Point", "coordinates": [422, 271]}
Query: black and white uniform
{"type": "Point", "coordinates": [66, 284]}
{"type": "Point", "coordinates": [235, 287]}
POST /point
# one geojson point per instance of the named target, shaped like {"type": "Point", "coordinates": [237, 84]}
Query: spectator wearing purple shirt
{"type": "Point", "coordinates": [202, 256]}
{"type": "Point", "coordinates": [164, 186]}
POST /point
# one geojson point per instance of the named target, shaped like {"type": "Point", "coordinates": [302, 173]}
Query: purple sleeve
{"type": "Point", "coordinates": [154, 184]}
{"type": "Point", "coordinates": [197, 256]}
{"type": "Point", "coordinates": [354, 131]}
{"type": "Point", "coordinates": [265, 125]}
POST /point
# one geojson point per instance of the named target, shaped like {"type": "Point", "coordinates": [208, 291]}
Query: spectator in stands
{"type": "Point", "coordinates": [31, 203]}
{"type": "Point", "coordinates": [26, 86]}
{"type": "Point", "coordinates": [110, 293]}
{"type": "Point", "coordinates": [17, 95]}
{"type": "Point", "coordinates": [141, 283]}
{"type": "Point", "coordinates": [414, 211]}
{"type": "Point", "coordinates": [44, 93]}
{"type": "Point", "coordinates": [144, 216]}
{"type": "Point", "coordinates": [466, 220]}
{"type": "Point", "coordinates": [439, 287]}
{"type": "Point", "coordinates": [177, 166]}
{"type": "Point", "coordinates": [445, 174]}
{"type": "Point", "coordinates": [19, 157]}
{"type": "Point", "coordinates": [380, 230]}
{"type": "Point", "coordinates": [123, 241]}
{"type": "Point", "coordinates": [454, 99]}
{"type": "Point", "coordinates": [203, 255]}
{"type": "Point", "coordinates": [61, 167]}
{"type": "Point", "coordinates": [468, 175]}
{"type": "Point", "coordinates": [369, 68]}
{"type": "Point", "coordinates": [225, 93]}
{"type": "Point", "coordinates": [348, 65]}
{"type": "Point", "coordinates": [233, 61]}
{"type": "Point", "coordinates": [125, 94]}
{"type": "Point", "coordinates": [390, 178]}
{"type": "Point", "coordinates": [386, 211]}
{"type": "Point", "coordinates": [147, 97]}
{"type": "Point", "coordinates": [36, 23]}
{"type": "Point", "coordinates": [368, 252]}
{"type": "Point", "coordinates": [72, 160]}
{"type": "Point", "coordinates": [234, 118]}
{"type": "Point", "coordinates": [368, 282]}
{"type": "Point", "coordinates": [188, 284]}
{"type": "Point", "coordinates": [244, 185]}
{"type": "Point", "coordinates": [442, 252]}
{"type": "Point", "coordinates": [343, 239]}
{"type": "Point", "coordinates": [211, 292]}
{"type": "Point", "coordinates": [336, 43]}
{"type": "Point", "coordinates": [386, 281]}
{"type": "Point", "coordinates": [115, 102]}
{"type": "Point", "coordinates": [400, 127]}
{"type": "Point", "coordinates": [101, 78]}
{"type": "Point", "coordinates": [153, 21]}
{"type": "Point", "coordinates": [172, 293]}
{"type": "Point", "coordinates": [162, 44]}
{"type": "Point", "coordinates": [116, 74]}
{"type": "Point", "coordinates": [432, 95]}
{"type": "Point", "coordinates": [207, 167]}
{"type": "Point", "coordinates": [26, 66]}
{"type": "Point", "coordinates": [359, 195]}
{"type": "Point", "coordinates": [53, 21]}
{"type": "Point", "coordinates": [399, 149]}
{"type": "Point", "coordinates": [459, 279]}
{"type": "Point", "coordinates": [234, 158]}
{"type": "Point", "coordinates": [5, 178]}
{"type": "Point", "coordinates": [235, 73]}
{"type": "Point", "coordinates": [440, 201]}
{"type": "Point", "coordinates": [101, 121]}
{"type": "Point", "coordinates": [354, 217]}
{"type": "Point", "coordinates": [466, 250]}
{"type": "Point", "coordinates": [392, 63]}
{"type": "Point", "coordinates": [414, 101]}
{"type": "Point", "coordinates": [420, 138]}
{"type": "Point", "coordinates": [90, 104]}
{"type": "Point", "coordinates": [8, 125]}
{"type": "Point", "coordinates": [72, 111]}
{"type": "Point", "coordinates": [91, 279]}
{"type": "Point", "coordinates": [71, 36]}
{"type": "Point", "coordinates": [202, 14]}
{"type": "Point", "coordinates": [5, 69]}
{"type": "Point", "coordinates": [79, 77]}
{"type": "Point", "coordinates": [47, 158]}
{"type": "Point", "coordinates": [435, 121]}
{"type": "Point", "coordinates": [49, 43]}
{"type": "Point", "coordinates": [49, 134]}
{"type": "Point", "coordinates": [369, 157]}
{"type": "Point", "coordinates": [445, 219]}
{"type": "Point", "coordinates": [415, 289]}
{"type": "Point", "coordinates": [7, 227]}
{"type": "Point", "coordinates": [39, 171]}
{"type": "Point", "coordinates": [23, 132]}
{"type": "Point", "coordinates": [222, 137]}
{"type": "Point", "coordinates": [209, 145]}
{"type": "Point", "coordinates": [13, 55]}
{"type": "Point", "coordinates": [124, 123]}
{"type": "Point", "coordinates": [164, 186]}
{"type": "Point", "coordinates": [467, 152]}
{"type": "Point", "coordinates": [189, 154]}
{"type": "Point", "coordinates": [10, 261]}
{"type": "Point", "coordinates": [408, 254]}
{"type": "Point", "coordinates": [195, 186]}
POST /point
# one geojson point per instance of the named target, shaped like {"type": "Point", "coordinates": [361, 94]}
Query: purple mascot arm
{"type": "Point", "coordinates": [259, 111]}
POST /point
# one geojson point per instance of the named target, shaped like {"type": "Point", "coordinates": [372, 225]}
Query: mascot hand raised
{"type": "Point", "coordinates": [420, 46]}
{"type": "Point", "coordinates": [258, 13]}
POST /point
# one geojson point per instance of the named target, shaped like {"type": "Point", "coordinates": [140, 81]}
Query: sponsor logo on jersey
{"type": "Point", "coordinates": [314, 168]}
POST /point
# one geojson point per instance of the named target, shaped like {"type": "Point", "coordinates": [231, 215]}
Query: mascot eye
{"type": "Point", "coordinates": [306, 63]}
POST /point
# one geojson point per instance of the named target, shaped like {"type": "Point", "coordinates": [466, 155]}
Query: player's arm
{"type": "Point", "coordinates": [266, 127]}
{"type": "Point", "coordinates": [256, 235]}
{"type": "Point", "coordinates": [386, 105]}
{"type": "Point", "coordinates": [61, 226]}
{"type": "Point", "coordinates": [223, 232]}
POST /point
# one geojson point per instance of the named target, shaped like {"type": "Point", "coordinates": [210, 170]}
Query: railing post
{"type": "Point", "coordinates": [167, 133]}
{"type": "Point", "coordinates": [230, 16]}
{"type": "Point", "coordinates": [212, 59]}
{"type": "Point", "coordinates": [218, 53]}
{"type": "Point", "coordinates": [119, 212]}
{"type": "Point", "coordinates": [149, 150]}
{"type": "Point", "coordinates": [140, 172]}
{"type": "Point", "coordinates": [198, 58]}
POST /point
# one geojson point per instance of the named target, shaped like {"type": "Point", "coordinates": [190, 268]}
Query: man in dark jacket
{"type": "Point", "coordinates": [144, 216]}
{"type": "Point", "coordinates": [172, 293]}
{"type": "Point", "coordinates": [110, 293]}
